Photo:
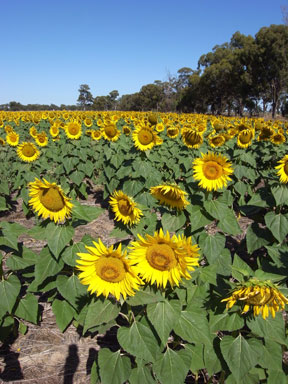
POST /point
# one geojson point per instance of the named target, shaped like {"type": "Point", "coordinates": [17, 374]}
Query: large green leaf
{"type": "Point", "coordinates": [278, 225]}
{"type": "Point", "coordinates": [226, 322]}
{"type": "Point", "coordinates": [163, 316]}
{"type": "Point", "coordinates": [227, 220]}
{"type": "Point", "coordinates": [100, 312]}
{"type": "Point", "coordinates": [170, 368]}
{"type": "Point", "coordinates": [85, 212]}
{"type": "Point", "coordinates": [141, 374]}
{"type": "Point", "coordinates": [9, 291]}
{"type": "Point", "coordinates": [69, 255]}
{"type": "Point", "coordinates": [147, 296]}
{"type": "Point", "coordinates": [24, 260]}
{"type": "Point", "coordinates": [198, 217]}
{"type": "Point", "coordinates": [211, 246]}
{"type": "Point", "coordinates": [196, 356]}
{"type": "Point", "coordinates": [46, 266]}
{"type": "Point", "coordinates": [280, 194]}
{"type": "Point", "coordinates": [27, 308]}
{"type": "Point", "coordinates": [271, 329]}
{"type": "Point", "coordinates": [63, 312]}
{"type": "Point", "coordinates": [72, 290]}
{"type": "Point", "coordinates": [257, 237]}
{"type": "Point", "coordinates": [114, 368]}
{"type": "Point", "coordinates": [173, 222]}
{"type": "Point", "coordinates": [238, 355]}
{"type": "Point", "coordinates": [139, 340]}
{"type": "Point", "coordinates": [272, 356]}
{"type": "Point", "coordinates": [58, 236]}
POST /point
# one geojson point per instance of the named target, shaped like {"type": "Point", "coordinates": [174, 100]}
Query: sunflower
{"type": "Point", "coordinates": [261, 296]}
{"type": "Point", "coordinates": [88, 122]}
{"type": "Point", "coordinates": [96, 134]}
{"type": "Point", "coordinates": [160, 127]}
{"type": "Point", "coordinates": [244, 138]}
{"type": "Point", "coordinates": [125, 208]}
{"type": "Point", "coordinates": [33, 132]}
{"type": "Point", "coordinates": [8, 129]}
{"type": "Point", "coordinates": [41, 139]}
{"type": "Point", "coordinates": [54, 130]}
{"type": "Point", "coordinates": [191, 138]}
{"type": "Point", "coordinates": [172, 131]}
{"type": "Point", "coordinates": [161, 258]}
{"type": "Point", "coordinates": [107, 271]}
{"type": "Point", "coordinates": [2, 141]}
{"type": "Point", "coordinates": [278, 138]}
{"type": "Point", "coordinates": [28, 152]}
{"type": "Point", "coordinates": [12, 138]}
{"type": "Point", "coordinates": [126, 130]}
{"type": "Point", "coordinates": [73, 130]}
{"type": "Point", "coordinates": [110, 132]}
{"type": "Point", "coordinates": [266, 133]}
{"type": "Point", "coordinates": [170, 195]}
{"type": "Point", "coordinates": [283, 169]}
{"type": "Point", "coordinates": [49, 200]}
{"type": "Point", "coordinates": [216, 141]}
{"type": "Point", "coordinates": [145, 138]}
{"type": "Point", "coordinates": [212, 170]}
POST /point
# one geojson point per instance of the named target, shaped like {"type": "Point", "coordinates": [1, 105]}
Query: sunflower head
{"type": "Point", "coordinates": [54, 130]}
{"type": "Point", "coordinates": [12, 138]}
{"type": "Point", "coordinates": [73, 130]}
{"type": "Point", "coordinates": [191, 138]}
{"type": "Point", "coordinates": [245, 137]}
{"type": "Point", "coordinates": [162, 259]}
{"type": "Point", "coordinates": [96, 134]}
{"type": "Point", "coordinates": [260, 296]}
{"type": "Point", "coordinates": [49, 200]}
{"type": "Point", "coordinates": [172, 131]}
{"type": "Point", "coordinates": [41, 139]}
{"type": "Point", "coordinates": [2, 141]}
{"type": "Point", "coordinates": [216, 140]}
{"type": "Point", "coordinates": [107, 271]}
{"type": "Point", "coordinates": [28, 152]}
{"type": "Point", "coordinates": [125, 208]}
{"type": "Point", "coordinates": [110, 131]}
{"type": "Point", "coordinates": [170, 195]}
{"type": "Point", "coordinates": [145, 138]}
{"type": "Point", "coordinates": [278, 138]}
{"type": "Point", "coordinates": [283, 169]}
{"type": "Point", "coordinates": [212, 171]}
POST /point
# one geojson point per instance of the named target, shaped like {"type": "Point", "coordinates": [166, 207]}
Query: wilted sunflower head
{"type": "Point", "coordinates": [212, 171]}
{"type": "Point", "coordinates": [49, 200]}
{"type": "Point", "coordinates": [125, 208]}
{"type": "Point", "coordinates": [283, 169]}
{"type": "Point", "coordinates": [162, 259]}
{"type": "Point", "coordinates": [261, 296]}
{"type": "Point", "coordinates": [245, 138]}
{"type": "Point", "coordinates": [266, 132]}
{"type": "Point", "coordinates": [191, 138]}
{"type": "Point", "coordinates": [107, 271]}
{"type": "Point", "coordinates": [170, 195]}
{"type": "Point", "coordinates": [28, 152]}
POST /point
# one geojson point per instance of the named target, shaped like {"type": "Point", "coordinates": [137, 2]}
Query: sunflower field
{"type": "Point", "coordinates": [194, 279]}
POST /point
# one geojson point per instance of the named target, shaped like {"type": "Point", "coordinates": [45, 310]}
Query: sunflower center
{"type": "Point", "coordinates": [217, 140]}
{"type": "Point", "coordinates": [193, 138]}
{"type": "Point", "coordinates": [212, 170]}
{"type": "Point", "coordinates": [110, 130]}
{"type": "Point", "coordinates": [41, 139]}
{"type": "Point", "coordinates": [13, 138]}
{"type": "Point", "coordinates": [28, 150]}
{"type": "Point", "coordinates": [145, 136]}
{"type": "Point", "coordinates": [161, 257]}
{"type": "Point", "coordinates": [110, 269]}
{"type": "Point", "coordinates": [52, 199]}
{"type": "Point", "coordinates": [255, 299]}
{"type": "Point", "coordinates": [245, 137]}
{"type": "Point", "coordinates": [73, 129]}
{"type": "Point", "coordinates": [125, 207]}
{"type": "Point", "coordinates": [172, 195]}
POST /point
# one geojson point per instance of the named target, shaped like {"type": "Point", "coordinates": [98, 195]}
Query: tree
{"type": "Point", "coordinates": [85, 99]}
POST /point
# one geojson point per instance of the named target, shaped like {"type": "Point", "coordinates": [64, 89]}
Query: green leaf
{"type": "Point", "coordinates": [69, 255]}
{"type": "Point", "coordinates": [240, 268]}
{"type": "Point", "coordinates": [58, 236]}
{"type": "Point", "coordinates": [71, 289]}
{"type": "Point", "coordinates": [4, 187]}
{"type": "Point", "coordinates": [132, 187]}
{"type": "Point", "coordinates": [147, 296]}
{"type": "Point", "coordinates": [238, 355]}
{"type": "Point", "coordinates": [193, 326]}
{"type": "Point", "coordinates": [9, 291]}
{"type": "Point", "coordinates": [94, 377]}
{"type": "Point", "coordinates": [141, 374]}
{"type": "Point", "coordinates": [22, 328]}
{"type": "Point", "coordinates": [272, 356]}
{"type": "Point", "coordinates": [170, 368]}
{"type": "Point", "coordinates": [198, 218]}
{"type": "Point", "coordinates": [173, 222]}
{"type": "Point", "coordinates": [85, 212]}
{"type": "Point", "coordinates": [63, 312]}
{"type": "Point", "coordinates": [27, 308]}
{"type": "Point", "coordinates": [196, 356]}
{"type": "Point", "coordinates": [226, 322]}
{"type": "Point", "coordinates": [212, 246]}
{"type": "Point", "coordinates": [276, 377]}
{"type": "Point", "coordinates": [139, 340]}
{"type": "Point", "coordinates": [3, 205]}
{"type": "Point", "coordinates": [114, 368]}
{"type": "Point", "coordinates": [211, 358]}
{"type": "Point", "coordinates": [100, 312]}
{"type": "Point", "coordinates": [27, 259]}
{"type": "Point", "coordinates": [280, 194]}
{"type": "Point", "coordinates": [6, 327]}
{"type": "Point", "coordinates": [271, 329]}
{"type": "Point", "coordinates": [257, 237]}
{"type": "Point", "coordinates": [227, 220]}
{"type": "Point", "coordinates": [163, 316]}
{"type": "Point", "coordinates": [46, 266]}
{"type": "Point", "coordinates": [278, 225]}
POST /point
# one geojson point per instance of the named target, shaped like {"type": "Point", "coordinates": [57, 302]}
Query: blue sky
{"type": "Point", "coordinates": [49, 48]}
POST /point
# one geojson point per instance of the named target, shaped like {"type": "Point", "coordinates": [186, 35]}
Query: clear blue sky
{"type": "Point", "coordinates": [49, 48]}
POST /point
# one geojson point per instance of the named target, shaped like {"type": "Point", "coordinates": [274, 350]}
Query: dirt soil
{"type": "Point", "coordinates": [44, 354]}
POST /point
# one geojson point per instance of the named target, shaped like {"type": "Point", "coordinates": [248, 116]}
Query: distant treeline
{"type": "Point", "coordinates": [248, 74]}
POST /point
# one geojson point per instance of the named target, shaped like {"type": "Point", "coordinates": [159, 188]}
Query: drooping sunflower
{"type": "Point", "coordinates": [28, 152]}
{"type": "Point", "coordinates": [145, 138]}
{"type": "Point", "coordinates": [216, 140]}
{"type": "Point", "coordinates": [278, 138]}
{"type": "Point", "coordinates": [245, 138]}
{"type": "Point", "coordinates": [41, 139]}
{"type": "Point", "coordinates": [107, 271]}
{"type": "Point", "coordinates": [125, 208]}
{"type": "Point", "coordinates": [261, 296]}
{"type": "Point", "coordinates": [191, 138]}
{"type": "Point", "coordinates": [110, 131]}
{"type": "Point", "coordinates": [212, 171]}
{"type": "Point", "coordinates": [170, 195]}
{"type": "Point", "coordinates": [12, 138]}
{"type": "Point", "coordinates": [49, 200]}
{"type": "Point", "coordinates": [283, 169]}
{"type": "Point", "coordinates": [161, 258]}
{"type": "Point", "coordinates": [73, 130]}
{"type": "Point", "coordinates": [266, 132]}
